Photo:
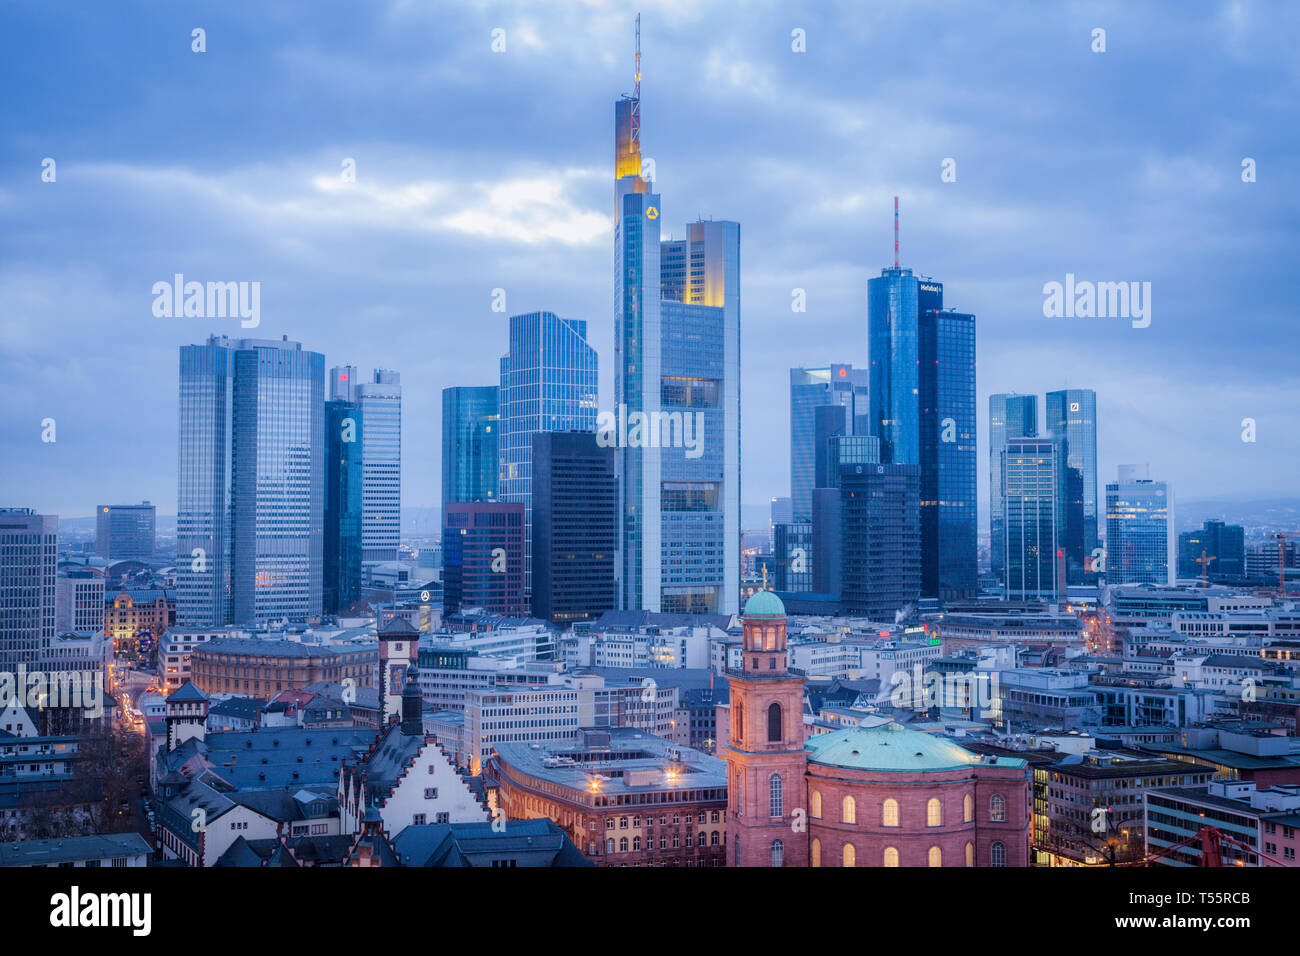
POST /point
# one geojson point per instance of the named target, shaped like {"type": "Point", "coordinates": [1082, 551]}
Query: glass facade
{"type": "Point", "coordinates": [28, 586]}
{"type": "Point", "coordinates": [341, 585]}
{"type": "Point", "coordinates": [810, 389]}
{"type": "Point", "coordinates": [125, 531]}
{"type": "Point", "coordinates": [471, 459]}
{"type": "Point", "coordinates": [792, 550]}
{"type": "Point", "coordinates": [250, 486]}
{"type": "Point", "coordinates": [1010, 416]}
{"type": "Point", "coordinates": [1139, 530]}
{"type": "Point", "coordinates": [548, 384]}
{"type": "Point", "coordinates": [379, 417]}
{"type": "Point", "coordinates": [893, 301]}
{"type": "Point", "coordinates": [949, 563]}
{"type": "Point", "coordinates": [880, 540]}
{"type": "Point", "coordinates": [1072, 418]}
{"type": "Point", "coordinates": [1033, 494]}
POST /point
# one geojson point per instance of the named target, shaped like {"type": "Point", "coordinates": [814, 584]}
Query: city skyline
{"type": "Point", "coordinates": [539, 228]}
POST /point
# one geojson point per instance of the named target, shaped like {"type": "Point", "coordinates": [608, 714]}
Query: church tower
{"type": "Point", "coordinates": [186, 715]}
{"type": "Point", "coordinates": [398, 645]}
{"type": "Point", "coordinates": [767, 811]}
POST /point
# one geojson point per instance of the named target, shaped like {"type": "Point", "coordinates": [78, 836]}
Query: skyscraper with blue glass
{"type": "Point", "coordinates": [471, 458]}
{"type": "Point", "coordinates": [1072, 419]}
{"type": "Point", "coordinates": [1010, 416]}
{"type": "Point", "coordinates": [343, 477]}
{"type": "Point", "coordinates": [1140, 540]}
{"type": "Point", "coordinates": [1033, 500]}
{"type": "Point", "coordinates": [548, 384]}
{"type": "Point", "coordinates": [379, 433]}
{"type": "Point", "coordinates": [893, 351]}
{"type": "Point", "coordinates": [250, 482]}
{"type": "Point", "coordinates": [812, 388]}
{"type": "Point", "coordinates": [677, 377]}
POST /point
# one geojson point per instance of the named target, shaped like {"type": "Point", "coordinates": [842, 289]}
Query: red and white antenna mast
{"type": "Point", "coordinates": [895, 221]}
{"type": "Point", "coordinates": [636, 94]}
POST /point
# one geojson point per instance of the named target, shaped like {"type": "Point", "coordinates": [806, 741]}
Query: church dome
{"type": "Point", "coordinates": [764, 603]}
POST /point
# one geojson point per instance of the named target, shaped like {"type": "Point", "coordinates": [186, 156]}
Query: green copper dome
{"type": "Point", "coordinates": [892, 747]}
{"type": "Point", "coordinates": [765, 603]}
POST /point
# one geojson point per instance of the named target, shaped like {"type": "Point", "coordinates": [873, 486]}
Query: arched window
{"type": "Point", "coordinates": [778, 853]}
{"type": "Point", "coordinates": [967, 808]}
{"type": "Point", "coordinates": [774, 795]}
{"type": "Point", "coordinates": [704, 838]}
{"type": "Point", "coordinates": [970, 854]}
{"type": "Point", "coordinates": [891, 856]}
{"type": "Point", "coordinates": [622, 845]}
{"type": "Point", "coordinates": [609, 845]}
{"type": "Point", "coordinates": [774, 722]}
{"type": "Point", "coordinates": [889, 813]}
{"type": "Point", "coordinates": [934, 813]}
{"type": "Point", "coordinates": [770, 636]}
{"type": "Point", "coordinates": [816, 852]}
{"type": "Point", "coordinates": [713, 838]}
{"type": "Point", "coordinates": [850, 855]}
{"type": "Point", "coordinates": [849, 810]}
{"type": "Point", "coordinates": [738, 731]}
{"type": "Point", "coordinates": [817, 804]}
{"type": "Point", "coordinates": [636, 843]}
{"type": "Point", "coordinates": [997, 855]}
{"type": "Point", "coordinates": [936, 856]}
{"type": "Point", "coordinates": [997, 808]}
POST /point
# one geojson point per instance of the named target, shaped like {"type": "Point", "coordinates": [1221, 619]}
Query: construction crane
{"type": "Point", "coordinates": [1281, 562]}
{"type": "Point", "coordinates": [1210, 841]}
{"type": "Point", "coordinates": [1204, 562]}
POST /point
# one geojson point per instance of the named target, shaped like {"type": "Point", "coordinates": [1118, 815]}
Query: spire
{"type": "Point", "coordinates": [636, 93]}
{"type": "Point", "coordinates": [895, 232]}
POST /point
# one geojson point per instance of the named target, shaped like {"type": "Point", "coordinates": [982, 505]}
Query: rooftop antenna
{"type": "Point", "coordinates": [895, 198]}
{"type": "Point", "coordinates": [636, 94]}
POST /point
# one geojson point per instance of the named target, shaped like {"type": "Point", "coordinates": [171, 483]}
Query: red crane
{"type": "Point", "coordinates": [1211, 840]}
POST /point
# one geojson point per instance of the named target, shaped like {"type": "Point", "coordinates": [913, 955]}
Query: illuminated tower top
{"type": "Point", "coordinates": [627, 136]}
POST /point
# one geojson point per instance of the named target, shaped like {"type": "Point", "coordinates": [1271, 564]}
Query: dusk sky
{"type": "Point", "coordinates": [478, 170]}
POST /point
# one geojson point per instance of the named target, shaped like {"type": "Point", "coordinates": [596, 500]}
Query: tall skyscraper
{"type": "Point", "coordinates": [471, 458]}
{"type": "Point", "coordinates": [792, 556]}
{"type": "Point", "coordinates": [251, 482]}
{"type": "Point", "coordinates": [341, 584]}
{"type": "Point", "coordinates": [28, 585]}
{"type": "Point", "coordinates": [1033, 497]}
{"type": "Point", "coordinates": [1140, 540]}
{"type": "Point", "coordinates": [379, 432]}
{"type": "Point", "coordinates": [880, 540]}
{"type": "Point", "coordinates": [812, 388]}
{"type": "Point", "coordinates": [1010, 416]}
{"type": "Point", "coordinates": [548, 383]}
{"type": "Point", "coordinates": [1072, 417]}
{"type": "Point", "coordinates": [949, 489]}
{"type": "Point", "coordinates": [893, 350]}
{"type": "Point", "coordinates": [677, 374]}
{"type": "Point", "coordinates": [125, 532]}
{"type": "Point", "coordinates": [575, 526]}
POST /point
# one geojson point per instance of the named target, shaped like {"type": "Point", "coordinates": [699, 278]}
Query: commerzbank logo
{"type": "Point", "coordinates": [652, 212]}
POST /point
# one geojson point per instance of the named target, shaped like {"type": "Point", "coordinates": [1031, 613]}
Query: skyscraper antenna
{"type": "Point", "coordinates": [636, 94]}
{"type": "Point", "coordinates": [895, 198]}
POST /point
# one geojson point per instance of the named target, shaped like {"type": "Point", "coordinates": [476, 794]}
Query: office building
{"type": "Point", "coordinates": [548, 384]}
{"type": "Point", "coordinates": [880, 539]}
{"type": "Point", "coordinates": [1222, 546]}
{"type": "Point", "coordinates": [841, 386]}
{"type": "Point", "coordinates": [1010, 416]}
{"type": "Point", "coordinates": [377, 411]}
{"type": "Point", "coordinates": [893, 349]}
{"type": "Point", "coordinates": [341, 583]}
{"type": "Point", "coordinates": [471, 459]}
{"type": "Point", "coordinates": [1072, 420]}
{"type": "Point", "coordinates": [949, 566]}
{"type": "Point", "coordinates": [792, 556]}
{"type": "Point", "coordinates": [677, 376]}
{"type": "Point", "coordinates": [125, 532]}
{"type": "Point", "coordinates": [1033, 495]}
{"type": "Point", "coordinates": [1140, 541]}
{"type": "Point", "coordinates": [575, 526]}
{"type": "Point", "coordinates": [251, 482]}
{"type": "Point", "coordinates": [79, 602]}
{"type": "Point", "coordinates": [483, 557]}
{"type": "Point", "coordinates": [28, 585]}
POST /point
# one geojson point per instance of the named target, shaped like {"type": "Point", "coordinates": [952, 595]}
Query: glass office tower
{"type": "Point", "coordinates": [251, 482]}
{"type": "Point", "coordinates": [28, 586]}
{"type": "Point", "coordinates": [1033, 495]}
{"type": "Point", "coordinates": [893, 301]}
{"type": "Point", "coordinates": [379, 417]}
{"type": "Point", "coordinates": [677, 355]}
{"type": "Point", "coordinates": [1072, 416]}
{"type": "Point", "coordinates": [812, 388]}
{"type": "Point", "coordinates": [341, 585]}
{"type": "Point", "coordinates": [946, 380]}
{"type": "Point", "coordinates": [471, 458]}
{"type": "Point", "coordinates": [124, 532]}
{"type": "Point", "coordinates": [1010, 416]}
{"type": "Point", "coordinates": [1140, 540]}
{"type": "Point", "coordinates": [548, 384]}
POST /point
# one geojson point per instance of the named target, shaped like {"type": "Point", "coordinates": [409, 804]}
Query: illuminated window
{"type": "Point", "coordinates": [934, 813]}
{"type": "Point", "coordinates": [775, 795]}
{"type": "Point", "coordinates": [849, 810]}
{"type": "Point", "coordinates": [850, 855]}
{"type": "Point", "coordinates": [817, 804]}
{"type": "Point", "coordinates": [889, 813]}
{"type": "Point", "coordinates": [891, 856]}
{"type": "Point", "coordinates": [970, 854]}
{"type": "Point", "coordinates": [967, 808]}
{"type": "Point", "coordinates": [935, 856]}
{"type": "Point", "coordinates": [816, 852]}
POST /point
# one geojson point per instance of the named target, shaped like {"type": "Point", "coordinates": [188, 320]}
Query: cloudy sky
{"type": "Point", "coordinates": [478, 170]}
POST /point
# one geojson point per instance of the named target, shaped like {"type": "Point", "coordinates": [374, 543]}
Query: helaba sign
{"type": "Point", "coordinates": [931, 287]}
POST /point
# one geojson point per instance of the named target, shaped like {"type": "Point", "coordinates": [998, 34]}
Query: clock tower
{"type": "Point", "coordinates": [767, 807]}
